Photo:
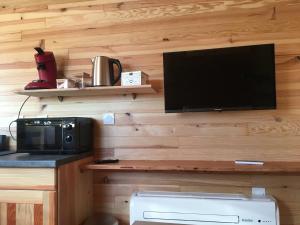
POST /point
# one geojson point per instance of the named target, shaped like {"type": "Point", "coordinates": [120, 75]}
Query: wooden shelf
{"type": "Point", "coordinates": [197, 166]}
{"type": "Point", "coordinates": [90, 91]}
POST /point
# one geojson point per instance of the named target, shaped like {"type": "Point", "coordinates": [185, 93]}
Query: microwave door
{"type": "Point", "coordinates": [42, 138]}
{"type": "Point", "coordinates": [52, 138]}
{"type": "Point", "coordinates": [31, 138]}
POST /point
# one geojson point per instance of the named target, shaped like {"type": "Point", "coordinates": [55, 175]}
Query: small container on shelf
{"type": "Point", "coordinates": [82, 80]}
{"type": "Point", "coordinates": [64, 83]}
{"type": "Point", "coordinates": [134, 78]}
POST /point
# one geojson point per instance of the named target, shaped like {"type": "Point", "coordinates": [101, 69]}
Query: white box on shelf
{"type": "Point", "coordinates": [64, 83]}
{"type": "Point", "coordinates": [134, 78]}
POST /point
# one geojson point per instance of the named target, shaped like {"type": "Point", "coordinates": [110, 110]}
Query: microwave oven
{"type": "Point", "coordinates": [64, 135]}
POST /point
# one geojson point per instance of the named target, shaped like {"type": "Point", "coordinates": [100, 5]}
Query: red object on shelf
{"type": "Point", "coordinates": [46, 66]}
{"type": "Point", "coordinates": [38, 84]}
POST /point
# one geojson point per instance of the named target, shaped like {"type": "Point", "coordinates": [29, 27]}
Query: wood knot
{"type": "Point", "coordinates": [128, 114]}
{"type": "Point", "coordinates": [63, 9]}
{"type": "Point", "coordinates": [119, 5]}
{"type": "Point", "coordinates": [277, 119]}
{"type": "Point", "coordinates": [166, 39]}
{"type": "Point", "coordinates": [105, 180]}
{"type": "Point", "coordinates": [274, 14]}
{"type": "Point", "coordinates": [43, 107]}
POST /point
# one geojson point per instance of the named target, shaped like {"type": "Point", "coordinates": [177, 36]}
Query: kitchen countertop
{"type": "Point", "coordinates": [5, 152]}
{"type": "Point", "coordinates": [26, 160]}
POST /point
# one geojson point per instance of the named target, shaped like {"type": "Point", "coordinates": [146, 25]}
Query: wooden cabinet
{"type": "Point", "coordinates": [28, 196]}
{"type": "Point", "coordinates": [75, 193]}
{"type": "Point", "coordinates": [61, 196]}
{"type": "Point", "coordinates": [27, 207]}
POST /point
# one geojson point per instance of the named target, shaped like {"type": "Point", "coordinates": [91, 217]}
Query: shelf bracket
{"type": "Point", "coordinates": [134, 96]}
{"type": "Point", "coordinates": [60, 98]}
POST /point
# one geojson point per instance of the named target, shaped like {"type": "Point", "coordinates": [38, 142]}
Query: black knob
{"type": "Point", "coordinates": [68, 139]}
{"type": "Point", "coordinates": [69, 127]}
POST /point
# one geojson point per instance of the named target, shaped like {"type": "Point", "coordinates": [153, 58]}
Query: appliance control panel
{"type": "Point", "coordinates": [42, 122]}
{"type": "Point", "coordinates": [69, 133]}
{"type": "Point", "coordinates": [69, 126]}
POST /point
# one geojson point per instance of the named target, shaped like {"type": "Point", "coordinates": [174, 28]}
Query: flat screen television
{"type": "Point", "coordinates": [234, 78]}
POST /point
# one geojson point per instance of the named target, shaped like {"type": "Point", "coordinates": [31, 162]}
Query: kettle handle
{"type": "Point", "coordinates": [114, 80]}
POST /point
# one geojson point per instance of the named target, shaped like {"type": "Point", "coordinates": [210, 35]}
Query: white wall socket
{"type": "Point", "coordinates": [108, 118]}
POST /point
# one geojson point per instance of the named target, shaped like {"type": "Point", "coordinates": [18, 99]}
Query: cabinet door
{"type": "Point", "coordinates": [28, 179]}
{"type": "Point", "coordinates": [27, 207]}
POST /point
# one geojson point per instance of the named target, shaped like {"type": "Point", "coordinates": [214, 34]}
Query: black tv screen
{"type": "Point", "coordinates": [235, 78]}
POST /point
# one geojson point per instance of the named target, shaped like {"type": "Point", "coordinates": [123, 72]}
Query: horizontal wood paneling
{"type": "Point", "coordinates": [138, 32]}
{"type": "Point", "coordinates": [113, 190]}
{"type": "Point", "coordinates": [22, 196]}
{"type": "Point", "coordinates": [27, 179]}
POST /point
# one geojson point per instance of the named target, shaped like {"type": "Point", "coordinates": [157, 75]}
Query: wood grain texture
{"type": "Point", "coordinates": [75, 193]}
{"type": "Point", "coordinates": [113, 189]}
{"type": "Point", "coordinates": [23, 207]}
{"type": "Point", "coordinates": [38, 214]}
{"type": "Point", "coordinates": [25, 204]}
{"type": "Point", "coordinates": [21, 196]}
{"type": "Point", "coordinates": [138, 32]}
{"type": "Point", "coordinates": [11, 214]}
{"type": "Point", "coordinates": [50, 208]}
{"type": "Point", "coordinates": [197, 166]}
{"type": "Point", "coordinates": [27, 179]}
{"type": "Point", "coordinates": [24, 214]}
{"type": "Point", "coordinates": [117, 90]}
{"type": "Point", "coordinates": [3, 213]}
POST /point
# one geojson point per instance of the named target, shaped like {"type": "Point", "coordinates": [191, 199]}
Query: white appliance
{"type": "Point", "coordinates": [134, 78]}
{"type": "Point", "coordinates": [203, 208]}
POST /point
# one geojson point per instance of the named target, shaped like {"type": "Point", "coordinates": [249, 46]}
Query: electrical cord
{"type": "Point", "coordinates": [19, 113]}
{"type": "Point", "coordinates": [10, 130]}
{"type": "Point", "coordinates": [22, 106]}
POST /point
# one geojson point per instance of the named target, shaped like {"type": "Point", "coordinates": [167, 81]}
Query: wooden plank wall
{"type": "Point", "coordinates": [113, 190]}
{"type": "Point", "coordinates": [137, 32]}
